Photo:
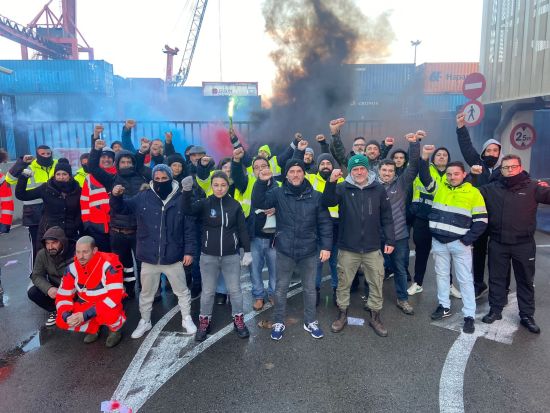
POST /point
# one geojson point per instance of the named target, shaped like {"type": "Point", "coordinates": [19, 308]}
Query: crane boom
{"type": "Point", "coordinates": [193, 36]}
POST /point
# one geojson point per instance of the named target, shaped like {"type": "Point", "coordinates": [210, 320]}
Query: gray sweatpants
{"type": "Point", "coordinates": [150, 277]}
{"type": "Point", "coordinates": [230, 267]}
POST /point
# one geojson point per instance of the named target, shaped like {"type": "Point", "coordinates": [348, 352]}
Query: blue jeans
{"type": "Point", "coordinates": [262, 253]}
{"type": "Point", "coordinates": [399, 259]}
{"type": "Point", "coordinates": [461, 257]}
{"type": "Point", "coordinates": [333, 264]}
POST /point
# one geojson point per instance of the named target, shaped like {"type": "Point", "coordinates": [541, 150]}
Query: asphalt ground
{"type": "Point", "coordinates": [413, 369]}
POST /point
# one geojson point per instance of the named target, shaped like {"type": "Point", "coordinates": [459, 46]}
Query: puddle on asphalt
{"type": "Point", "coordinates": [8, 359]}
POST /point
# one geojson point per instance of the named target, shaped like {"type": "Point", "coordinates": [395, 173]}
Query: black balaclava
{"type": "Point", "coordinates": [489, 160]}
{"type": "Point", "coordinates": [163, 189]}
{"type": "Point", "coordinates": [44, 161]}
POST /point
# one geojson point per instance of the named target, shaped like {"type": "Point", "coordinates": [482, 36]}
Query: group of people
{"type": "Point", "coordinates": [138, 214]}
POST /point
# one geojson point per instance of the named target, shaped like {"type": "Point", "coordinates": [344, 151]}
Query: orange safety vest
{"type": "Point", "coordinates": [94, 203]}
{"type": "Point", "coordinates": [6, 202]}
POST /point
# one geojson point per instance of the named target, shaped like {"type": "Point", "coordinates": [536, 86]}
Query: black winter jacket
{"type": "Point", "coordinates": [473, 157]}
{"type": "Point", "coordinates": [61, 209]}
{"type": "Point", "coordinates": [223, 226]}
{"type": "Point", "coordinates": [163, 235]}
{"type": "Point", "coordinates": [365, 214]}
{"type": "Point", "coordinates": [513, 210]}
{"type": "Point", "coordinates": [303, 224]}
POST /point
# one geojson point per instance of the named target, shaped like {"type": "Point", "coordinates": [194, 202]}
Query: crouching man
{"type": "Point", "coordinates": [90, 294]}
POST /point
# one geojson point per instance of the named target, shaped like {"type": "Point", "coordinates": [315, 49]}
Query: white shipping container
{"type": "Point", "coordinates": [230, 88]}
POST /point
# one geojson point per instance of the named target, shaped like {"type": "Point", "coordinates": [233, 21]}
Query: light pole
{"type": "Point", "coordinates": [415, 44]}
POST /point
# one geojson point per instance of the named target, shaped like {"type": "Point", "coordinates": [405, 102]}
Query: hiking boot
{"type": "Point", "coordinates": [277, 331]}
{"type": "Point", "coordinates": [405, 307]}
{"type": "Point", "coordinates": [414, 289]}
{"type": "Point", "coordinates": [240, 326]}
{"type": "Point", "coordinates": [491, 317]}
{"type": "Point", "coordinates": [51, 319]}
{"type": "Point", "coordinates": [453, 292]}
{"type": "Point", "coordinates": [113, 339]}
{"type": "Point", "coordinates": [204, 328]}
{"type": "Point", "coordinates": [529, 323]}
{"type": "Point", "coordinates": [376, 324]}
{"type": "Point", "coordinates": [188, 325]}
{"type": "Point", "coordinates": [339, 324]}
{"type": "Point", "coordinates": [90, 338]}
{"type": "Point", "coordinates": [469, 327]}
{"type": "Point", "coordinates": [441, 312]}
{"type": "Point", "coordinates": [314, 329]}
{"type": "Point", "coordinates": [142, 327]}
{"type": "Point", "coordinates": [258, 304]}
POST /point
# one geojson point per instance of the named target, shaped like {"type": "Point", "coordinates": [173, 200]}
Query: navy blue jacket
{"type": "Point", "coordinates": [303, 224]}
{"type": "Point", "coordinates": [164, 235]}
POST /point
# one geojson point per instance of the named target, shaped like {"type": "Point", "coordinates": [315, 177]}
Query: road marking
{"type": "Point", "coordinates": [13, 254]}
{"type": "Point", "coordinates": [451, 383]}
{"type": "Point", "coordinates": [163, 354]}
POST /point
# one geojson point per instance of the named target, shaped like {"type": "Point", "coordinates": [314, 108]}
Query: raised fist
{"type": "Point", "coordinates": [265, 174]}
{"type": "Point", "coordinates": [28, 158]}
{"type": "Point", "coordinates": [27, 172]}
{"type": "Point", "coordinates": [238, 154]}
{"type": "Point", "coordinates": [320, 138]}
{"type": "Point", "coordinates": [168, 137]}
{"type": "Point", "coordinates": [187, 183]}
{"type": "Point", "coordinates": [298, 136]}
{"type": "Point", "coordinates": [476, 169]}
{"type": "Point", "coordinates": [335, 125]}
{"type": "Point", "coordinates": [428, 149]}
{"type": "Point", "coordinates": [117, 190]}
{"type": "Point", "coordinates": [335, 175]}
{"type": "Point", "coordinates": [420, 134]}
{"type": "Point", "coordinates": [389, 141]}
{"type": "Point", "coordinates": [130, 123]}
{"type": "Point", "coordinates": [302, 145]}
{"type": "Point", "coordinates": [460, 120]}
{"type": "Point", "coordinates": [98, 130]}
{"type": "Point", "coordinates": [410, 137]}
{"type": "Point", "coordinates": [99, 144]}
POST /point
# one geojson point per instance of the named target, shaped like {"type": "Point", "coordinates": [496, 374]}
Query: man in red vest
{"type": "Point", "coordinates": [91, 293]}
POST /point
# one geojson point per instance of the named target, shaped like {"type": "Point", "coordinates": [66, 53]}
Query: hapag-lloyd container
{"type": "Point", "coordinates": [445, 77]}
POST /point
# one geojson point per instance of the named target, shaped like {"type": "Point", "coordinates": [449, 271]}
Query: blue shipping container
{"type": "Point", "coordinates": [441, 103]}
{"type": "Point", "coordinates": [373, 80]}
{"type": "Point", "coordinates": [58, 76]}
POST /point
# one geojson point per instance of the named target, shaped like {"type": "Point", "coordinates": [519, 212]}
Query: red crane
{"type": "Point", "coordinates": [54, 38]}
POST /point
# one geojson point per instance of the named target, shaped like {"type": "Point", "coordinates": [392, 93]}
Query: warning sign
{"type": "Point", "coordinates": [523, 136]}
{"type": "Point", "coordinates": [473, 113]}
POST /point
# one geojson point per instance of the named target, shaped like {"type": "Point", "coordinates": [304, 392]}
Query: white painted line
{"type": "Point", "coordinates": [13, 254]}
{"type": "Point", "coordinates": [153, 366]}
{"type": "Point", "coordinates": [470, 86]}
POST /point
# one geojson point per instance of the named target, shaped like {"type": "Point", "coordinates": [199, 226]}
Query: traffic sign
{"type": "Point", "coordinates": [474, 85]}
{"type": "Point", "coordinates": [473, 112]}
{"type": "Point", "coordinates": [523, 136]}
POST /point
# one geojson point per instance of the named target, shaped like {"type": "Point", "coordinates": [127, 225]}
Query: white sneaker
{"type": "Point", "coordinates": [142, 328]}
{"type": "Point", "coordinates": [453, 292]}
{"type": "Point", "coordinates": [415, 289]}
{"type": "Point", "coordinates": [188, 325]}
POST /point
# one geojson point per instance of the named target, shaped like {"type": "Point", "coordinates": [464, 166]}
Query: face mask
{"type": "Point", "coordinates": [490, 161]}
{"type": "Point", "coordinates": [44, 161]}
{"type": "Point", "coordinates": [163, 189]}
{"type": "Point", "coordinates": [64, 186]}
{"type": "Point", "coordinates": [85, 168]}
{"type": "Point", "coordinates": [126, 171]}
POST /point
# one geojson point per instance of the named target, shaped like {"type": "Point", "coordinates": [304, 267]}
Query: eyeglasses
{"type": "Point", "coordinates": [359, 144]}
{"type": "Point", "coordinates": [510, 168]}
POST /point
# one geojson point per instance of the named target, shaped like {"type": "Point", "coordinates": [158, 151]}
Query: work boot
{"type": "Point", "coordinates": [405, 307]}
{"type": "Point", "coordinates": [529, 323]}
{"type": "Point", "coordinates": [376, 324]}
{"type": "Point", "coordinates": [339, 324]}
{"type": "Point", "coordinates": [90, 338]}
{"type": "Point", "coordinates": [204, 328]}
{"type": "Point", "coordinates": [113, 339]}
{"type": "Point", "coordinates": [491, 317]}
{"type": "Point", "coordinates": [240, 326]}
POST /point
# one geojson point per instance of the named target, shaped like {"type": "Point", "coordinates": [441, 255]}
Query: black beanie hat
{"type": "Point", "coordinates": [64, 165]}
{"type": "Point", "coordinates": [175, 158]}
{"type": "Point", "coordinates": [442, 148]}
{"type": "Point", "coordinates": [295, 162]}
{"type": "Point", "coordinates": [373, 142]}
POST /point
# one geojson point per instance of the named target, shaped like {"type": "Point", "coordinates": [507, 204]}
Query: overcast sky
{"type": "Point", "coordinates": [131, 34]}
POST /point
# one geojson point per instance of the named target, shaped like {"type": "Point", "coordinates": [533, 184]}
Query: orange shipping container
{"type": "Point", "coordinates": [446, 77]}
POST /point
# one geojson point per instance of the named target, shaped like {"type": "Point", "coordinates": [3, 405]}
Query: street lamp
{"type": "Point", "coordinates": [415, 44]}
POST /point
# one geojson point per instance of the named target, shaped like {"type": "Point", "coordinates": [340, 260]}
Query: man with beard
{"type": "Point", "coordinates": [122, 229]}
{"type": "Point", "coordinates": [43, 168]}
{"type": "Point", "coordinates": [512, 200]}
{"type": "Point", "coordinates": [166, 239]}
{"type": "Point", "coordinates": [49, 267]}
{"type": "Point", "coordinates": [82, 172]}
{"type": "Point", "coordinates": [489, 159]}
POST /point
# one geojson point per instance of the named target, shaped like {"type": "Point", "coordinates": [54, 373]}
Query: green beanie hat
{"type": "Point", "coordinates": [358, 160]}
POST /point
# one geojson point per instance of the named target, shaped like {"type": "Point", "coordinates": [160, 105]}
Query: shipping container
{"type": "Point", "coordinates": [41, 107]}
{"type": "Point", "coordinates": [445, 77]}
{"type": "Point", "coordinates": [230, 88]}
{"type": "Point", "coordinates": [7, 124]}
{"type": "Point", "coordinates": [58, 76]}
{"type": "Point", "coordinates": [450, 102]}
{"type": "Point", "coordinates": [373, 80]}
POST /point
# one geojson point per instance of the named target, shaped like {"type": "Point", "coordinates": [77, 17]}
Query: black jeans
{"type": "Point", "coordinates": [478, 260]}
{"type": "Point", "coordinates": [42, 300]}
{"type": "Point", "coordinates": [123, 245]}
{"type": "Point", "coordinates": [522, 257]}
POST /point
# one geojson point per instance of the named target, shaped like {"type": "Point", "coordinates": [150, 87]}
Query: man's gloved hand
{"type": "Point", "coordinates": [187, 183]}
{"type": "Point", "coordinates": [27, 172]}
{"type": "Point", "coordinates": [246, 260]}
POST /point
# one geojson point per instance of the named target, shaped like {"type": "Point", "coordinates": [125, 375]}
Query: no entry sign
{"type": "Point", "coordinates": [523, 136]}
{"type": "Point", "coordinates": [473, 112]}
{"type": "Point", "coordinates": [474, 85]}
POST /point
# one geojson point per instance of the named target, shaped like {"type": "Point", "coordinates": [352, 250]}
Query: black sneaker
{"type": "Point", "coordinates": [469, 327]}
{"type": "Point", "coordinates": [441, 312]}
{"type": "Point", "coordinates": [51, 319]}
{"type": "Point", "coordinates": [204, 328]}
{"type": "Point", "coordinates": [529, 324]}
{"type": "Point", "coordinates": [240, 326]}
